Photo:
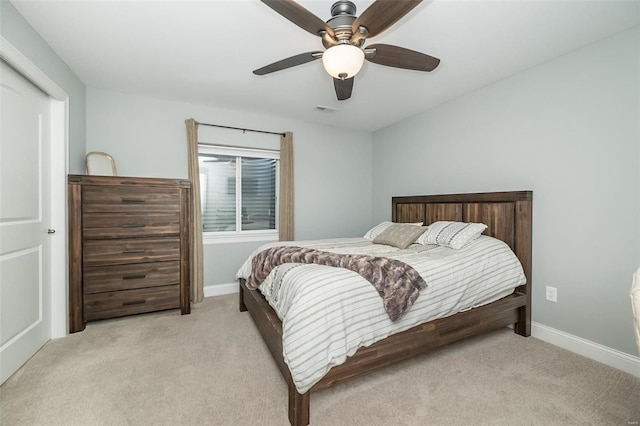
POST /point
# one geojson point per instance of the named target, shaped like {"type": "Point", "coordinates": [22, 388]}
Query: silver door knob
{"type": "Point", "coordinates": [51, 231]}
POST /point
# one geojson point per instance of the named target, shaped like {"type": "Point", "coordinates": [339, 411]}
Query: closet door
{"type": "Point", "coordinates": [25, 210]}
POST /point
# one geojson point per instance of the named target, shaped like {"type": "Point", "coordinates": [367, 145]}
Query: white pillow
{"type": "Point", "coordinates": [376, 230]}
{"type": "Point", "coordinates": [451, 234]}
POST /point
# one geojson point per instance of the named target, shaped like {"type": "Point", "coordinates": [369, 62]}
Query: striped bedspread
{"type": "Point", "coordinates": [397, 283]}
{"type": "Point", "coordinates": [327, 313]}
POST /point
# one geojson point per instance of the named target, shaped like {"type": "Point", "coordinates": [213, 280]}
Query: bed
{"type": "Point", "coordinates": [508, 216]}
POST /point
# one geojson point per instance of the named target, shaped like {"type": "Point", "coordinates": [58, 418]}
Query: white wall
{"type": "Point", "coordinates": [332, 171]}
{"type": "Point", "coordinates": [21, 35]}
{"type": "Point", "coordinates": [568, 130]}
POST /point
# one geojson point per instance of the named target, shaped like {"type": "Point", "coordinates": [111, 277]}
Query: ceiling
{"type": "Point", "coordinates": [203, 52]}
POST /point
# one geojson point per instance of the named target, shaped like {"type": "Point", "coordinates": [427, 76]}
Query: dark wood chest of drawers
{"type": "Point", "coordinates": [128, 247]}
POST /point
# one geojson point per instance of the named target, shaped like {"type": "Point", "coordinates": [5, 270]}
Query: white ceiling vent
{"type": "Point", "coordinates": [325, 108]}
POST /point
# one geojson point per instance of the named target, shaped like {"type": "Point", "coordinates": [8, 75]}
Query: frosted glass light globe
{"type": "Point", "coordinates": [343, 61]}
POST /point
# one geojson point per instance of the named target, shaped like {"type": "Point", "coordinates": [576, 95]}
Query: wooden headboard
{"type": "Point", "coordinates": [508, 216]}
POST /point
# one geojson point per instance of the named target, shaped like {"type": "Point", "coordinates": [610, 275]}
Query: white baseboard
{"type": "Point", "coordinates": [611, 357]}
{"type": "Point", "coordinates": [220, 289]}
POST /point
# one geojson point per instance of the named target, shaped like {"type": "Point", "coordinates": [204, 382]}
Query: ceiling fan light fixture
{"type": "Point", "coordinates": [343, 61]}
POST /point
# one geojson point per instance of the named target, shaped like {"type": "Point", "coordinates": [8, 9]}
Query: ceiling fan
{"type": "Point", "coordinates": [344, 36]}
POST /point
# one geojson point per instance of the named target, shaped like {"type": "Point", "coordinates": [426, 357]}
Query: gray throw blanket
{"type": "Point", "coordinates": [397, 283]}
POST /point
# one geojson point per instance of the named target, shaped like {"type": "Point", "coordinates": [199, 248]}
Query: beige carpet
{"type": "Point", "coordinates": [212, 368]}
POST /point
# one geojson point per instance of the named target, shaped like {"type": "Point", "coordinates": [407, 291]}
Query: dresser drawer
{"type": "Point", "coordinates": [130, 250]}
{"type": "Point", "coordinates": [129, 302]}
{"type": "Point", "coordinates": [127, 225]}
{"type": "Point", "coordinates": [100, 279]}
{"type": "Point", "coordinates": [142, 199]}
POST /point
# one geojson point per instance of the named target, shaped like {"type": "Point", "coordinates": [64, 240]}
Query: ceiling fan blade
{"type": "Point", "coordinates": [292, 61]}
{"type": "Point", "coordinates": [399, 57]}
{"type": "Point", "coordinates": [299, 16]}
{"type": "Point", "coordinates": [343, 88]}
{"type": "Point", "coordinates": [382, 14]}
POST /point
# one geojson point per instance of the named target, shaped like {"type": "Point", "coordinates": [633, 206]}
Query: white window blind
{"type": "Point", "coordinates": [241, 191]}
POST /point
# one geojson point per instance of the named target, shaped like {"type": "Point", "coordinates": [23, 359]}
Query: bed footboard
{"type": "Point", "coordinates": [298, 406]}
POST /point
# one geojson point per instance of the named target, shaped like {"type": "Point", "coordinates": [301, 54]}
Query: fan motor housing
{"type": "Point", "coordinates": [343, 8]}
{"type": "Point", "coordinates": [343, 15]}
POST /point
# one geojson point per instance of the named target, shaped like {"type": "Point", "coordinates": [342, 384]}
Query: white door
{"type": "Point", "coordinates": [25, 210]}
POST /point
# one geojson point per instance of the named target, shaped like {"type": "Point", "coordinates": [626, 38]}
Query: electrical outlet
{"type": "Point", "coordinates": [552, 294]}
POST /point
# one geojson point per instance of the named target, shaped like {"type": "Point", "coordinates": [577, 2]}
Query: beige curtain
{"type": "Point", "coordinates": [197, 268]}
{"type": "Point", "coordinates": [285, 219]}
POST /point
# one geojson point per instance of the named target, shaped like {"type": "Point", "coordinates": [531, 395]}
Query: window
{"type": "Point", "coordinates": [239, 192]}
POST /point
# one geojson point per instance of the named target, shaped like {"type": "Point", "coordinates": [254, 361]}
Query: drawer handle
{"type": "Point", "coordinates": [134, 277]}
{"type": "Point", "coordinates": [133, 200]}
{"type": "Point", "coordinates": [134, 302]}
{"type": "Point", "coordinates": [131, 251]}
{"type": "Point", "coordinates": [134, 225]}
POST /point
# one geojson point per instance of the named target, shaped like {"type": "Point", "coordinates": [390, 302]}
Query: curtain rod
{"type": "Point", "coordinates": [241, 148]}
{"type": "Point", "coordinates": [240, 128]}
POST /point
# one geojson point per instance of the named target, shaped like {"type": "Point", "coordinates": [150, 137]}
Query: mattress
{"type": "Point", "coordinates": [328, 313]}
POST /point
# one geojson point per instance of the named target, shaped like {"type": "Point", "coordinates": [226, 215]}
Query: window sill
{"type": "Point", "coordinates": [236, 237]}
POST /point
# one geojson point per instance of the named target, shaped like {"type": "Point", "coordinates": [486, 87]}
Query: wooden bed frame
{"type": "Point", "coordinates": [509, 218]}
